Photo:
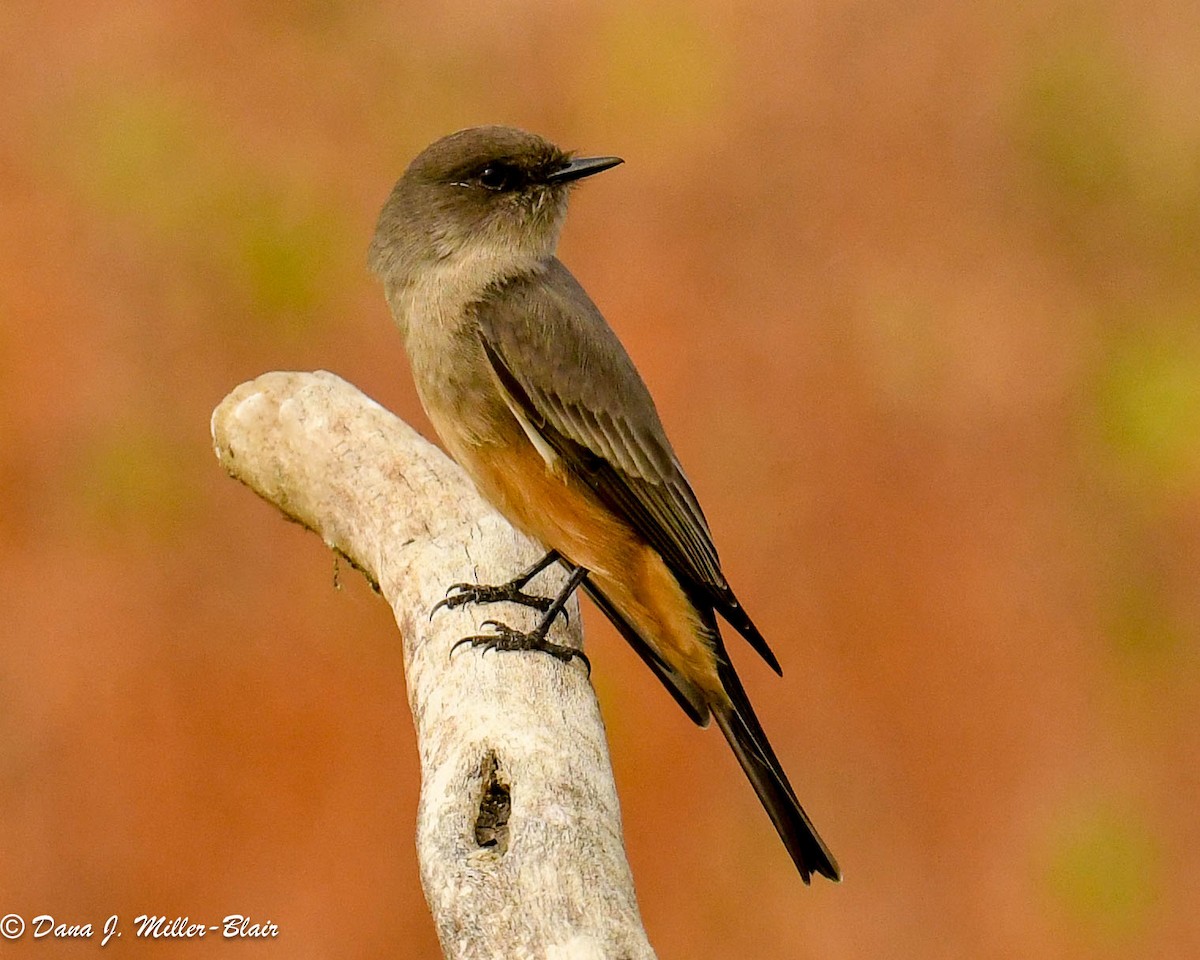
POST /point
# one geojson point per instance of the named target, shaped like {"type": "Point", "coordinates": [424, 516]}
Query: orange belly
{"type": "Point", "coordinates": [558, 510]}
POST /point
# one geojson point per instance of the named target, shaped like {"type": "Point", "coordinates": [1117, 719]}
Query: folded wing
{"type": "Point", "coordinates": [566, 372]}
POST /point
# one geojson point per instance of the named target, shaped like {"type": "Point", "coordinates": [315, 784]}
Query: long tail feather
{"type": "Point", "coordinates": [758, 761]}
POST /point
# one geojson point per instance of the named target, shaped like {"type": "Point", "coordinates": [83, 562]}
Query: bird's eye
{"type": "Point", "coordinates": [496, 176]}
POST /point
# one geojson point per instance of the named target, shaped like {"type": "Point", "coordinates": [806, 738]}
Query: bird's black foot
{"type": "Point", "coordinates": [506, 638]}
{"type": "Point", "coordinates": [511, 592]}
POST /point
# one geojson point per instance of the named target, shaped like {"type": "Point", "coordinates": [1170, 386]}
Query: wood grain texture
{"type": "Point", "coordinates": [519, 829]}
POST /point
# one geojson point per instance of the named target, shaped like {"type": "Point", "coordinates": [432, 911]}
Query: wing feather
{"type": "Point", "coordinates": [574, 384]}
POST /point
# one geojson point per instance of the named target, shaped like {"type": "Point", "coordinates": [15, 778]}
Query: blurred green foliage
{"type": "Point", "coordinates": [132, 480]}
{"type": "Point", "coordinates": [1140, 621]}
{"type": "Point", "coordinates": [661, 68]}
{"type": "Point", "coordinates": [1103, 871]}
{"type": "Point", "coordinates": [283, 257]}
{"type": "Point", "coordinates": [242, 227]}
{"type": "Point", "coordinates": [1122, 179]}
{"type": "Point", "coordinates": [1076, 118]}
{"type": "Point", "coordinates": [1148, 408]}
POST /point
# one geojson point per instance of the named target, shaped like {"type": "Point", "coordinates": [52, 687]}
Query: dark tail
{"type": "Point", "coordinates": [745, 735]}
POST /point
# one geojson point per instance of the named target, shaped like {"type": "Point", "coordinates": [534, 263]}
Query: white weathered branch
{"type": "Point", "coordinates": [518, 828]}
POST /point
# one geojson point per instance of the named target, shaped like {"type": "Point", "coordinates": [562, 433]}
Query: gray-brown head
{"type": "Point", "coordinates": [485, 192]}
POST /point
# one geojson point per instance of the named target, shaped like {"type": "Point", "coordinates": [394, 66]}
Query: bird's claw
{"type": "Point", "coordinates": [459, 594]}
{"type": "Point", "coordinates": [452, 599]}
{"type": "Point", "coordinates": [507, 639]}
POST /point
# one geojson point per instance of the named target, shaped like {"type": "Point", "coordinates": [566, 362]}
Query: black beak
{"type": "Point", "coordinates": [582, 167]}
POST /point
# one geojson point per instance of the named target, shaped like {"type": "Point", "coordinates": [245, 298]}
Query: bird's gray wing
{"type": "Point", "coordinates": [574, 384]}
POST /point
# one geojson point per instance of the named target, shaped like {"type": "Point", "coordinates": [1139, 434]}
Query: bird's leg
{"type": "Point", "coordinates": [506, 638]}
{"type": "Point", "coordinates": [511, 592]}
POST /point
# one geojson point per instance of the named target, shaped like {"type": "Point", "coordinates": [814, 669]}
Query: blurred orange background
{"type": "Point", "coordinates": [917, 288]}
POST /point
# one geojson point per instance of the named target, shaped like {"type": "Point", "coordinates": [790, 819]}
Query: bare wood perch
{"type": "Point", "coordinates": [518, 826]}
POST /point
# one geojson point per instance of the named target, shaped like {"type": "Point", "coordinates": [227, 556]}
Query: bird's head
{"type": "Point", "coordinates": [482, 192]}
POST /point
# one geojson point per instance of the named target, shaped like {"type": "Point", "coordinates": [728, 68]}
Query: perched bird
{"type": "Point", "coordinates": [534, 396]}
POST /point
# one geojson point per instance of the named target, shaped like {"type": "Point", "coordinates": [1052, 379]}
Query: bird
{"type": "Point", "coordinates": [534, 396]}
